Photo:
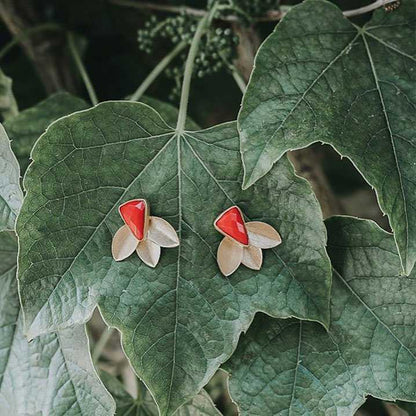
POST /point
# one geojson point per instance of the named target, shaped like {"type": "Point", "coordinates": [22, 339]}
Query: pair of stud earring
{"type": "Point", "coordinates": [242, 243]}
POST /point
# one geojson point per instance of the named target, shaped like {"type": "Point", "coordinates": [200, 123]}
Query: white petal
{"type": "Point", "coordinates": [229, 256]}
{"type": "Point", "coordinates": [162, 233]}
{"type": "Point", "coordinates": [262, 235]}
{"type": "Point", "coordinates": [252, 257]}
{"type": "Point", "coordinates": [124, 243]}
{"type": "Point", "coordinates": [149, 252]}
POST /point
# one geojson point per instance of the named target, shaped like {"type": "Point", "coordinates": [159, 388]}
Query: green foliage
{"type": "Point", "coordinates": [26, 128]}
{"type": "Point", "coordinates": [144, 405]}
{"type": "Point", "coordinates": [325, 79]}
{"type": "Point", "coordinates": [292, 367]}
{"type": "Point", "coordinates": [216, 50]}
{"type": "Point", "coordinates": [51, 375]}
{"type": "Point", "coordinates": [246, 10]}
{"type": "Point", "coordinates": [327, 336]}
{"type": "Point", "coordinates": [11, 196]}
{"type": "Point", "coordinates": [181, 320]}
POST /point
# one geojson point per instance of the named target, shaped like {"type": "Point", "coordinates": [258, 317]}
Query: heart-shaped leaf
{"type": "Point", "coordinates": [52, 375]}
{"type": "Point", "coordinates": [144, 405]}
{"type": "Point", "coordinates": [318, 77]}
{"type": "Point", "coordinates": [11, 195]}
{"type": "Point", "coordinates": [292, 367]}
{"type": "Point", "coordinates": [26, 128]}
{"type": "Point", "coordinates": [182, 319]}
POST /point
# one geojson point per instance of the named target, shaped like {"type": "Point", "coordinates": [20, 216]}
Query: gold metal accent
{"type": "Point", "coordinates": [162, 233]}
{"type": "Point", "coordinates": [157, 233]}
{"type": "Point", "coordinates": [229, 256]}
{"type": "Point", "coordinates": [232, 253]}
{"type": "Point", "coordinates": [149, 252]}
{"type": "Point", "coordinates": [262, 235]}
{"type": "Point", "coordinates": [252, 257]}
{"type": "Point", "coordinates": [124, 243]}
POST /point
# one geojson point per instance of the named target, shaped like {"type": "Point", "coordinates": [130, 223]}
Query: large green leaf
{"type": "Point", "coordinates": [26, 128]}
{"type": "Point", "coordinates": [144, 405]}
{"type": "Point", "coordinates": [181, 320]}
{"type": "Point", "coordinates": [52, 375]}
{"type": "Point", "coordinates": [8, 105]}
{"type": "Point", "coordinates": [11, 195]}
{"type": "Point", "coordinates": [292, 367]}
{"type": "Point", "coordinates": [320, 78]}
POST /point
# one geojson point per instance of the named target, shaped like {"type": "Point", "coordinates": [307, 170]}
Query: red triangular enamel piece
{"type": "Point", "coordinates": [231, 223]}
{"type": "Point", "coordinates": [134, 215]}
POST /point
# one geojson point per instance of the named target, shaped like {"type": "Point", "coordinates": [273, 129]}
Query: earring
{"type": "Point", "coordinates": [243, 242]}
{"type": "Point", "coordinates": [142, 233]}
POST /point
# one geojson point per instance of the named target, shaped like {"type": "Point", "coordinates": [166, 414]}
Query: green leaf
{"type": "Point", "coordinates": [181, 320]}
{"type": "Point", "coordinates": [8, 105]}
{"type": "Point", "coordinates": [11, 195]}
{"type": "Point", "coordinates": [320, 78]}
{"type": "Point", "coordinates": [144, 405]}
{"type": "Point", "coordinates": [51, 375]}
{"type": "Point", "coordinates": [292, 367]}
{"type": "Point", "coordinates": [26, 128]}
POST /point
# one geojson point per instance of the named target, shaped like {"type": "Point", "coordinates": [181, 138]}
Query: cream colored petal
{"type": "Point", "coordinates": [149, 252]}
{"type": "Point", "coordinates": [229, 256]}
{"type": "Point", "coordinates": [262, 235]}
{"type": "Point", "coordinates": [162, 233]}
{"type": "Point", "coordinates": [252, 257]}
{"type": "Point", "coordinates": [124, 243]}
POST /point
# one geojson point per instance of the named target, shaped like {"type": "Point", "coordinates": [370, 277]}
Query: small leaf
{"type": "Point", "coordinates": [11, 196]}
{"type": "Point", "coordinates": [8, 105]}
{"type": "Point", "coordinates": [229, 256]}
{"type": "Point", "coordinates": [149, 252]}
{"type": "Point", "coordinates": [124, 243]}
{"type": "Point", "coordinates": [252, 257]}
{"type": "Point", "coordinates": [292, 367]}
{"type": "Point", "coordinates": [180, 320]}
{"type": "Point", "coordinates": [53, 374]}
{"type": "Point", "coordinates": [319, 77]}
{"type": "Point", "coordinates": [26, 128]}
{"type": "Point", "coordinates": [162, 233]}
{"type": "Point", "coordinates": [262, 235]}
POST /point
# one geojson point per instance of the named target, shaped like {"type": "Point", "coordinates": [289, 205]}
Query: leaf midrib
{"type": "Point", "coordinates": [104, 219]}
{"type": "Point", "coordinates": [285, 266]}
{"type": "Point", "coordinates": [376, 80]}
{"type": "Point", "coordinates": [301, 99]}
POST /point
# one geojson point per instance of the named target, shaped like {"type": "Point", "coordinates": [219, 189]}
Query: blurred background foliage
{"type": "Point", "coordinates": [106, 34]}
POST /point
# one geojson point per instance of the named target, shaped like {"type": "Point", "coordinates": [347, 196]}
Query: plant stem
{"type": "Point", "coordinates": [270, 16]}
{"type": "Point", "coordinates": [189, 67]}
{"type": "Point", "coordinates": [99, 346]}
{"type": "Point", "coordinates": [238, 80]}
{"type": "Point", "coordinates": [81, 69]}
{"type": "Point", "coordinates": [158, 69]}
{"type": "Point", "coordinates": [23, 35]}
{"type": "Point", "coordinates": [368, 8]}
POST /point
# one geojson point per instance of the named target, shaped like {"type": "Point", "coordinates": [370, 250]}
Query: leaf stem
{"type": "Point", "coordinates": [101, 343]}
{"type": "Point", "coordinates": [270, 16]}
{"type": "Point", "coordinates": [368, 8]}
{"type": "Point", "coordinates": [158, 69]}
{"type": "Point", "coordinates": [189, 67]}
{"type": "Point", "coordinates": [81, 68]}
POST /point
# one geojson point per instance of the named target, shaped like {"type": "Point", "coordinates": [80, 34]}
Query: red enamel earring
{"type": "Point", "coordinates": [142, 233]}
{"type": "Point", "coordinates": [243, 242]}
